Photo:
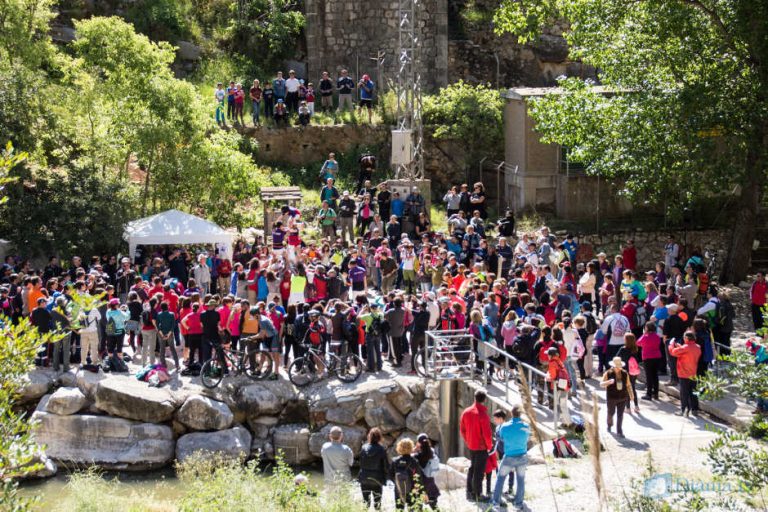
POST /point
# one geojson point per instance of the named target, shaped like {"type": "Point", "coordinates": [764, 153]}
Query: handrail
{"type": "Point", "coordinates": [536, 378]}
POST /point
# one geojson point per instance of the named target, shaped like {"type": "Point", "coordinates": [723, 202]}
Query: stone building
{"type": "Point", "coordinates": [348, 34]}
{"type": "Point", "coordinates": [540, 176]}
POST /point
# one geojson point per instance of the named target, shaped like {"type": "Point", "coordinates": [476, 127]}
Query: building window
{"type": "Point", "coordinates": [569, 167]}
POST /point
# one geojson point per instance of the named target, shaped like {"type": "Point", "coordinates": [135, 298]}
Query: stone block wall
{"type": "Point", "coordinates": [650, 244]}
{"type": "Point", "coordinates": [347, 34]}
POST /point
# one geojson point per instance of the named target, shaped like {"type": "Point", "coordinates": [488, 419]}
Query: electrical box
{"type": "Point", "coordinates": [402, 142]}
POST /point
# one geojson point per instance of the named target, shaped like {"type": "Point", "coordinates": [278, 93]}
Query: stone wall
{"type": "Point", "coordinates": [347, 34]}
{"type": "Point", "coordinates": [650, 244]}
{"type": "Point", "coordinates": [117, 422]}
{"type": "Point", "coordinates": [304, 145]}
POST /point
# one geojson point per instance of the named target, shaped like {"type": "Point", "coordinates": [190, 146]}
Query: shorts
{"type": "Point", "coordinates": [272, 344]}
{"type": "Point", "coordinates": [366, 103]}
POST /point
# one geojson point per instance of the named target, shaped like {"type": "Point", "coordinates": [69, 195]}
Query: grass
{"type": "Point", "coordinates": [209, 485]}
{"type": "Point", "coordinates": [563, 474]}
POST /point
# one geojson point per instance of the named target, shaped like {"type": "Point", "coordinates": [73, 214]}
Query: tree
{"type": "Point", "coordinates": [468, 113]}
{"type": "Point", "coordinates": [688, 116]}
{"type": "Point", "coordinates": [18, 450]}
{"type": "Point", "coordinates": [23, 24]}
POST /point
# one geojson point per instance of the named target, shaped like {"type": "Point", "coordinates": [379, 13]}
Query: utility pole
{"type": "Point", "coordinates": [408, 135]}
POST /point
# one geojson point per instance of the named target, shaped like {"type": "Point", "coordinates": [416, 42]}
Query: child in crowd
{"type": "Point", "coordinates": [281, 113]}
{"type": "Point", "coordinates": [304, 114]}
{"type": "Point", "coordinates": [310, 97]}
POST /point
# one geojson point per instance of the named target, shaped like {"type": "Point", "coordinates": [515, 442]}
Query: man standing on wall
{"type": "Point", "coordinates": [475, 427]}
{"type": "Point", "coordinates": [345, 85]}
{"type": "Point", "coordinates": [292, 92]}
{"type": "Point", "coordinates": [278, 87]}
{"type": "Point", "coordinates": [326, 93]}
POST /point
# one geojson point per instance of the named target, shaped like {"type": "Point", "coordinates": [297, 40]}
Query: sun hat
{"type": "Point", "coordinates": [616, 362]}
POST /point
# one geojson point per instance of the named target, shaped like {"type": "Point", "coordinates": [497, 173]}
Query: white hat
{"type": "Point", "coordinates": [617, 362]}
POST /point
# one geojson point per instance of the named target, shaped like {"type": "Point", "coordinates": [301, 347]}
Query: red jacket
{"type": "Point", "coordinates": [687, 358]}
{"type": "Point", "coordinates": [475, 427]}
{"type": "Point", "coordinates": [758, 292]}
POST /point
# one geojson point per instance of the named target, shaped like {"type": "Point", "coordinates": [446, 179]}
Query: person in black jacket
{"type": "Point", "coordinates": [374, 467]}
{"type": "Point", "coordinates": [407, 475]}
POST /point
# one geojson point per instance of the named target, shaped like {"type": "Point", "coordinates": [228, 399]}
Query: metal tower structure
{"type": "Point", "coordinates": [408, 135]}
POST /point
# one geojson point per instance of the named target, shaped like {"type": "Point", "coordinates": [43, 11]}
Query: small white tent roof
{"type": "Point", "coordinates": [173, 227]}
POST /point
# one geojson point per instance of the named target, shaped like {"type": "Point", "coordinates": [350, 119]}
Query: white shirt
{"type": "Point", "coordinates": [91, 322]}
{"type": "Point", "coordinates": [292, 85]}
{"type": "Point", "coordinates": [619, 325]}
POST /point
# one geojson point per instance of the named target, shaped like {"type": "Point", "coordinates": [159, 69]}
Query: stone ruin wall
{"type": "Point", "coordinates": [347, 34]}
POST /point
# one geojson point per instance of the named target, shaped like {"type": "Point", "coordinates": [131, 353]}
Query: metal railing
{"type": "Point", "coordinates": [449, 355]}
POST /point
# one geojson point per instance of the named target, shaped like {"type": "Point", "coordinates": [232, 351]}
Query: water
{"type": "Point", "coordinates": [163, 483]}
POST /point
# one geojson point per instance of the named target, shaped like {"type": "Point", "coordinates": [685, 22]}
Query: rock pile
{"type": "Point", "coordinates": [116, 422]}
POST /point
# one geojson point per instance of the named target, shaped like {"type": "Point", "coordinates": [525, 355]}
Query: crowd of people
{"type": "Point", "coordinates": [281, 98]}
{"type": "Point", "coordinates": [373, 281]}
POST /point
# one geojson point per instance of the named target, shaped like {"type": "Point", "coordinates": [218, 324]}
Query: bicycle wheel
{"type": "Point", "coordinates": [263, 368]}
{"type": "Point", "coordinates": [211, 373]}
{"type": "Point", "coordinates": [348, 367]}
{"type": "Point", "coordinates": [302, 372]}
{"type": "Point", "coordinates": [419, 362]}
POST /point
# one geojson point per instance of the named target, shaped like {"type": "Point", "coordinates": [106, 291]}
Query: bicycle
{"type": "Point", "coordinates": [212, 372]}
{"type": "Point", "coordinates": [307, 369]}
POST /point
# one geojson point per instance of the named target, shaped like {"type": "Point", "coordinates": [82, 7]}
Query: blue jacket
{"type": "Point", "coordinates": [514, 434]}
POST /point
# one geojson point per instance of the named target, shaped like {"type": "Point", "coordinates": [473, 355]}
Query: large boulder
{"type": "Point", "coordinates": [234, 443]}
{"type": "Point", "coordinates": [425, 419]}
{"type": "Point", "coordinates": [111, 443]}
{"type": "Point", "coordinates": [87, 382]}
{"type": "Point", "coordinates": [354, 437]}
{"type": "Point", "coordinates": [448, 479]}
{"type": "Point", "coordinates": [266, 398]}
{"type": "Point", "coordinates": [263, 426]}
{"type": "Point", "coordinates": [66, 401]}
{"type": "Point", "coordinates": [129, 398]}
{"type": "Point", "coordinates": [384, 415]}
{"type": "Point", "coordinates": [401, 397]}
{"type": "Point", "coordinates": [293, 442]}
{"type": "Point", "coordinates": [35, 384]}
{"type": "Point", "coordinates": [202, 413]}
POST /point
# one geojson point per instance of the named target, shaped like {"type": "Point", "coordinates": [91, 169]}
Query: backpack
{"type": "Point", "coordinates": [640, 316]}
{"type": "Point", "coordinates": [618, 327]}
{"type": "Point", "coordinates": [111, 328]}
{"type": "Point", "coordinates": [562, 449]}
{"type": "Point", "coordinates": [633, 367]}
{"type": "Point", "coordinates": [522, 348]}
{"type": "Point", "coordinates": [375, 328]}
{"type": "Point", "coordinates": [117, 365]}
{"type": "Point", "coordinates": [703, 283]}
{"type": "Point", "coordinates": [403, 478]}
{"type": "Point", "coordinates": [146, 317]}
{"type": "Point", "coordinates": [724, 314]}
{"type": "Point", "coordinates": [591, 326]}
{"type": "Point", "coordinates": [350, 332]}
{"type": "Point", "coordinates": [563, 380]}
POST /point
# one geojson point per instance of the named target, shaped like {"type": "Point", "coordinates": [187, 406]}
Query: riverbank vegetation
{"type": "Point", "coordinates": [208, 485]}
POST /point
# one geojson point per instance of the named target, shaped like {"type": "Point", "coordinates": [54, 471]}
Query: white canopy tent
{"type": "Point", "coordinates": [173, 227]}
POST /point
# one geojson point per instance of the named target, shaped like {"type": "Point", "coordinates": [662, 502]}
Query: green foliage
{"type": "Point", "coordinates": [468, 113]}
{"type": "Point", "coordinates": [18, 344]}
{"type": "Point", "coordinates": [47, 206]}
{"type": "Point", "coordinates": [22, 24]}
{"type": "Point", "coordinates": [740, 371]}
{"type": "Point", "coordinates": [214, 485]}
{"type": "Point", "coordinates": [689, 113]}
{"type": "Point", "coordinates": [266, 29]}
{"type": "Point", "coordinates": [758, 427]}
{"type": "Point", "coordinates": [8, 160]}
{"type": "Point", "coordinates": [169, 20]}
{"type": "Point", "coordinates": [733, 455]}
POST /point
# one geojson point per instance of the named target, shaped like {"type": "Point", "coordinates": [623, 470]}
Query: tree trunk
{"type": "Point", "coordinates": [739, 253]}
